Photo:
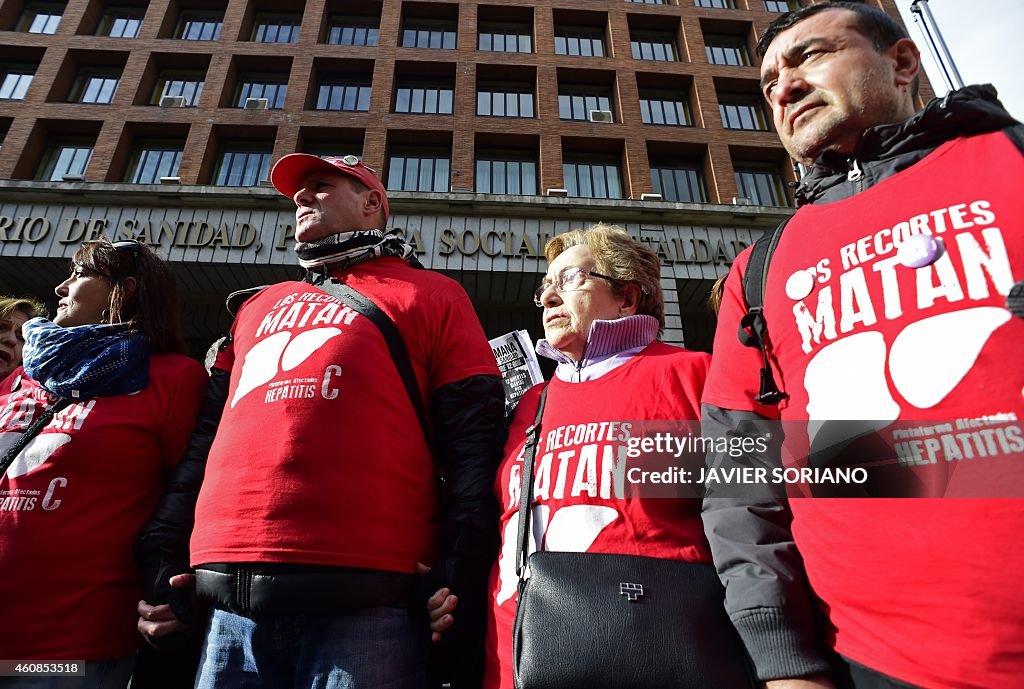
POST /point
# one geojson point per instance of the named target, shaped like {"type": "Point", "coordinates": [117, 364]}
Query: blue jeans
{"type": "Point", "coordinates": [377, 648]}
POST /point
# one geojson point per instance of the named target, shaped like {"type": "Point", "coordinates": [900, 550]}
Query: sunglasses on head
{"type": "Point", "coordinates": [127, 244]}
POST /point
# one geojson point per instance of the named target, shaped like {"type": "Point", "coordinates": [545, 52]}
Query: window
{"type": "Point", "coordinates": [504, 38]}
{"type": "Point", "coordinates": [418, 172]}
{"type": "Point", "coordinates": [585, 41]}
{"type": "Point", "coordinates": [576, 103]}
{"type": "Point", "coordinates": [424, 99]}
{"type": "Point", "coordinates": [649, 2]}
{"type": "Point", "coordinates": [497, 100]}
{"type": "Point", "coordinates": [726, 50]}
{"type": "Point", "coordinates": [65, 159]}
{"type": "Point", "coordinates": [95, 86]}
{"type": "Point", "coordinates": [40, 17]}
{"type": "Point", "coordinates": [153, 160]}
{"type": "Point", "coordinates": [781, 5]}
{"type": "Point", "coordinates": [188, 85]}
{"type": "Point", "coordinates": [721, 4]}
{"type": "Point", "coordinates": [242, 166]}
{"type": "Point", "coordinates": [16, 80]}
{"type": "Point", "coordinates": [196, 25]}
{"type": "Point", "coordinates": [742, 112]}
{"type": "Point", "coordinates": [760, 183]}
{"type": "Point", "coordinates": [498, 173]}
{"type": "Point", "coordinates": [353, 30]}
{"type": "Point", "coordinates": [121, 22]}
{"type": "Point", "coordinates": [429, 33]}
{"type": "Point", "coordinates": [276, 28]}
{"type": "Point", "coordinates": [350, 96]}
{"type": "Point", "coordinates": [596, 179]}
{"type": "Point", "coordinates": [682, 183]}
{"type": "Point", "coordinates": [272, 88]}
{"type": "Point", "coordinates": [653, 45]}
{"type": "Point", "coordinates": [665, 107]}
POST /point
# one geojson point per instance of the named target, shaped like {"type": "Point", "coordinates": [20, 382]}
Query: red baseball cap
{"type": "Point", "coordinates": [291, 170]}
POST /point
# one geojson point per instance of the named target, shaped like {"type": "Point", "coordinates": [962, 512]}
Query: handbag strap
{"type": "Point", "coordinates": [526, 490]}
{"type": "Point", "coordinates": [31, 432]}
{"type": "Point", "coordinates": [396, 346]}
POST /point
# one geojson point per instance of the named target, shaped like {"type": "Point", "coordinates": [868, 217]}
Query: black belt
{"type": "Point", "coordinates": [260, 589]}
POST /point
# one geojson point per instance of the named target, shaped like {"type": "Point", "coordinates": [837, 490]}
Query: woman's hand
{"type": "Point", "coordinates": [158, 620]}
{"type": "Point", "coordinates": [440, 607]}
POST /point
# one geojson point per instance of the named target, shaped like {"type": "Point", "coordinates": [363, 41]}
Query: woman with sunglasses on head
{"type": "Point", "coordinates": [103, 404]}
{"type": "Point", "coordinates": [14, 312]}
{"type": "Point", "coordinates": [603, 312]}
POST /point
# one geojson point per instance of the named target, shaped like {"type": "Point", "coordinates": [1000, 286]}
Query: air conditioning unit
{"type": "Point", "coordinates": [170, 180]}
{"type": "Point", "coordinates": [603, 116]}
{"type": "Point", "coordinates": [558, 192]}
{"type": "Point", "coordinates": [650, 197]}
{"type": "Point", "coordinates": [256, 104]}
{"type": "Point", "coordinates": [741, 201]}
{"type": "Point", "coordinates": [72, 178]}
{"type": "Point", "coordinates": [172, 101]}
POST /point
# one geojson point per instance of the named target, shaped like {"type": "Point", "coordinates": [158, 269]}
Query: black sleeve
{"type": "Point", "coordinates": [162, 549]}
{"type": "Point", "coordinates": [469, 434]}
{"type": "Point", "coordinates": [748, 527]}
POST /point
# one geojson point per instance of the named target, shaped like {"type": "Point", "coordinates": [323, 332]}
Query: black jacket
{"type": "Point", "coordinates": [767, 594]}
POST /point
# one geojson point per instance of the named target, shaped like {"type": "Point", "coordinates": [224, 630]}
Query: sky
{"type": "Point", "coordinates": [980, 35]}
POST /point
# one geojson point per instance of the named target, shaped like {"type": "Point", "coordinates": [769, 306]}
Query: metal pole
{"type": "Point", "coordinates": [936, 44]}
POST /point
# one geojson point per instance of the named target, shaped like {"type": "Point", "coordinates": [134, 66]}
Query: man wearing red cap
{"type": "Point", "coordinates": [321, 491]}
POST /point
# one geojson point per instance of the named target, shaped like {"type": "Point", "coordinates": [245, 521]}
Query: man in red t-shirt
{"type": "Point", "coordinates": [321, 499]}
{"type": "Point", "coordinates": [887, 306]}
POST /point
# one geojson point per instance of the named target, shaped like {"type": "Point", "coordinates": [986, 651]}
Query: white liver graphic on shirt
{"type": "Point", "coordinates": [930, 357]}
{"type": "Point", "coordinates": [572, 529]}
{"type": "Point", "coordinates": [35, 453]}
{"type": "Point", "coordinates": [278, 353]}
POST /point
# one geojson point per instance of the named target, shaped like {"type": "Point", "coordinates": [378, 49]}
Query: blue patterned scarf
{"type": "Point", "coordinates": [86, 360]}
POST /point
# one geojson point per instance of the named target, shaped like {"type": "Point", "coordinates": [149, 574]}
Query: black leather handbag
{"type": "Point", "coordinates": [603, 621]}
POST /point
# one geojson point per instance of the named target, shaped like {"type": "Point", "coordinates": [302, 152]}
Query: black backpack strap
{"type": "Point", "coordinates": [396, 346]}
{"type": "Point", "coordinates": [526, 490]}
{"type": "Point", "coordinates": [753, 326]}
{"type": "Point", "coordinates": [236, 299]}
{"type": "Point", "coordinates": [1016, 133]}
{"type": "Point", "coordinates": [31, 432]}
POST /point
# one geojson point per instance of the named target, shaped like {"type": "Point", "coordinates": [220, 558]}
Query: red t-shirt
{"type": "Point", "coordinates": [923, 590]}
{"type": "Point", "coordinates": [577, 506]}
{"type": "Point", "coordinates": [319, 458]}
{"type": "Point", "coordinates": [72, 504]}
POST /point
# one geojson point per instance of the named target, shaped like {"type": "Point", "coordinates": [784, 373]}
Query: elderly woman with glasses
{"type": "Point", "coordinates": [603, 312]}
{"type": "Point", "coordinates": [102, 406]}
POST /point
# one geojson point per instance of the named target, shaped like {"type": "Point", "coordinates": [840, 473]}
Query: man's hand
{"type": "Point", "coordinates": [815, 682]}
{"type": "Point", "coordinates": [158, 620]}
{"type": "Point", "coordinates": [440, 607]}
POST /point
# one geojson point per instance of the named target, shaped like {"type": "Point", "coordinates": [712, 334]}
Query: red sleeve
{"type": "Point", "coordinates": [462, 349]}
{"type": "Point", "coordinates": [186, 394]}
{"type": "Point", "coordinates": [735, 375]}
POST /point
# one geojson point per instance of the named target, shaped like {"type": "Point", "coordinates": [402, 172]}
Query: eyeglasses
{"type": "Point", "coordinates": [569, 280]}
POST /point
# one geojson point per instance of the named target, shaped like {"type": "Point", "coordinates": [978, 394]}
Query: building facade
{"type": "Point", "coordinates": [494, 126]}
